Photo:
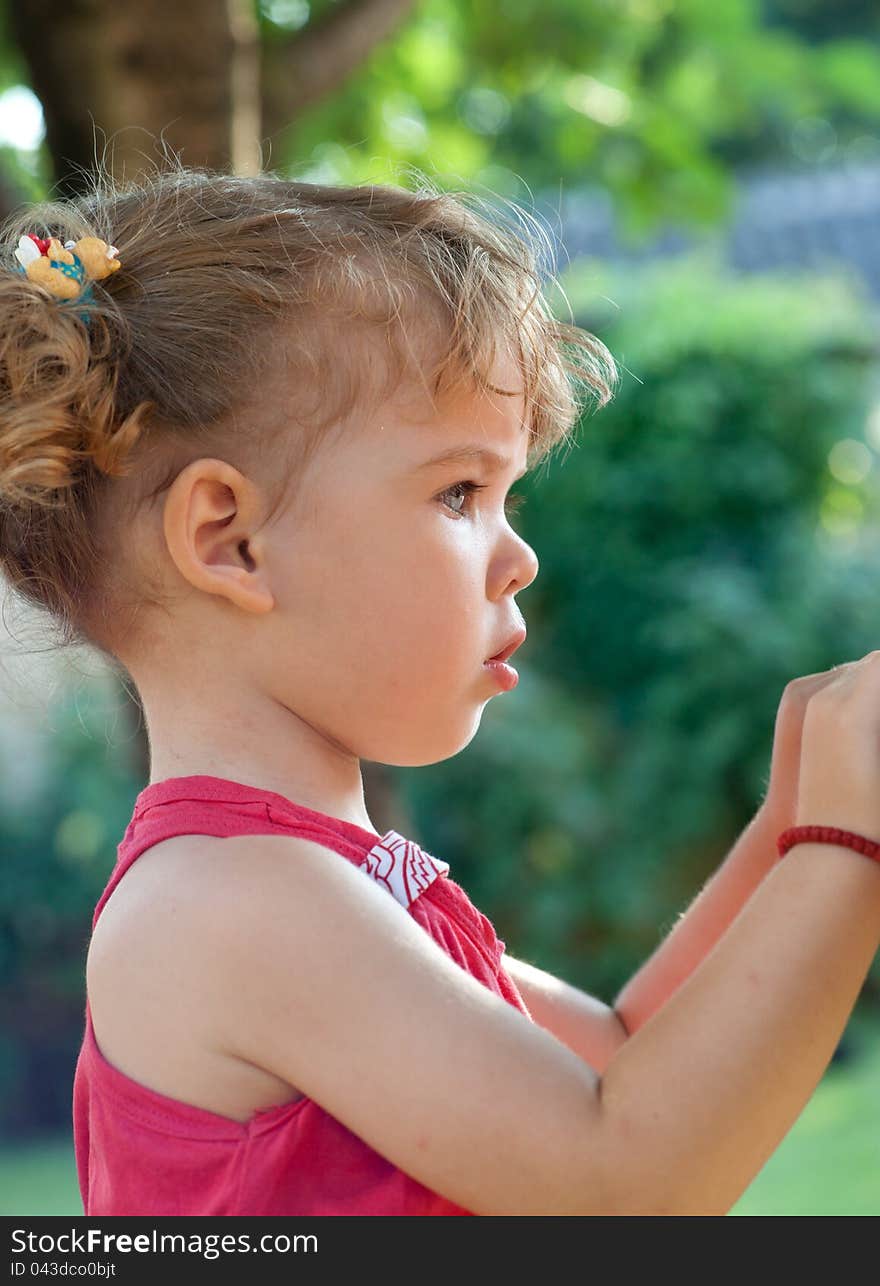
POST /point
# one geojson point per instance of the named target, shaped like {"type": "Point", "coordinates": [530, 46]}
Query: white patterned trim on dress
{"type": "Point", "coordinates": [401, 867]}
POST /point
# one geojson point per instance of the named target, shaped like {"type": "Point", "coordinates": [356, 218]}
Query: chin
{"type": "Point", "coordinates": [433, 750]}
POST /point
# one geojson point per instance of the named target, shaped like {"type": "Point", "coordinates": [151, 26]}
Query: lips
{"type": "Point", "coordinates": [510, 647]}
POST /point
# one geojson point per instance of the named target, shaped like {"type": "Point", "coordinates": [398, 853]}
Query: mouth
{"type": "Point", "coordinates": [510, 647]}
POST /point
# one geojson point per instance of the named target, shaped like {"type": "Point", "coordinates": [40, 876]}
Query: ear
{"type": "Point", "coordinates": [211, 520]}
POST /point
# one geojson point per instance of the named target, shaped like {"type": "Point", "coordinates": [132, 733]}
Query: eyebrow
{"type": "Point", "coordinates": [492, 460]}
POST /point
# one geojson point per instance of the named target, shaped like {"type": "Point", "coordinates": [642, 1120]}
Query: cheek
{"type": "Point", "coordinates": [398, 551]}
{"type": "Point", "coordinates": [438, 572]}
{"type": "Point", "coordinates": [405, 583]}
{"type": "Point", "coordinates": [427, 616]}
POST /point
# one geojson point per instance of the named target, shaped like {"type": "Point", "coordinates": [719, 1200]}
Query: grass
{"type": "Point", "coordinates": [39, 1178]}
{"type": "Point", "coordinates": [828, 1163]}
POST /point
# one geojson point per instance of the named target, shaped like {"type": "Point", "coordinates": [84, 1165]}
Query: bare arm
{"type": "Point", "coordinates": [590, 1028]}
{"type": "Point", "coordinates": [731, 886]}
{"type": "Point", "coordinates": [461, 1091]}
{"type": "Point", "coordinates": [697, 930]}
{"type": "Point", "coordinates": [708, 1087]}
{"type": "Point", "coordinates": [594, 1030]}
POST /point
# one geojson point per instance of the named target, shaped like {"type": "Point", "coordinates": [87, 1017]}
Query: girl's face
{"type": "Point", "coordinates": [394, 581]}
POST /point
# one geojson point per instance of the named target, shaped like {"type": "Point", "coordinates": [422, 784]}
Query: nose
{"type": "Point", "coordinates": [526, 565]}
{"type": "Point", "coordinates": [533, 565]}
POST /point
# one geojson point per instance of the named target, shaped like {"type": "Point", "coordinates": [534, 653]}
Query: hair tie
{"type": "Point", "coordinates": [66, 271]}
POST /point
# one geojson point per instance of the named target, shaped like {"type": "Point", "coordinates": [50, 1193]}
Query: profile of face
{"type": "Point", "coordinates": [356, 622]}
{"type": "Point", "coordinates": [393, 583]}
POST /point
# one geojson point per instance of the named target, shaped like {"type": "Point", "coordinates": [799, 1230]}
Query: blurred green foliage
{"type": "Point", "coordinates": [59, 849]}
{"type": "Point", "coordinates": [655, 102]}
{"type": "Point", "coordinates": [690, 566]}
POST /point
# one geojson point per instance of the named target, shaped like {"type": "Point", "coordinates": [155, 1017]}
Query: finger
{"type": "Point", "coordinates": [853, 684]}
{"type": "Point", "coordinates": [866, 671]}
{"type": "Point", "coordinates": [809, 683]}
{"type": "Point", "coordinates": [800, 690]}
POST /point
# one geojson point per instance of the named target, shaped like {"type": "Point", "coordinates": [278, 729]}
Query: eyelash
{"type": "Point", "coordinates": [512, 502]}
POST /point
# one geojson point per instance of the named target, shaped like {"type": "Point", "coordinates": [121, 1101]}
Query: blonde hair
{"type": "Point", "coordinates": [234, 329]}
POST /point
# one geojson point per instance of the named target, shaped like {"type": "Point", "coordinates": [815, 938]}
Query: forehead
{"type": "Point", "coordinates": [470, 425]}
{"type": "Point", "coordinates": [470, 453]}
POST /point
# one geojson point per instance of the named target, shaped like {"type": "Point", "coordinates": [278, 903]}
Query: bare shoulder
{"type": "Point", "coordinates": [333, 986]}
{"type": "Point", "coordinates": [149, 957]}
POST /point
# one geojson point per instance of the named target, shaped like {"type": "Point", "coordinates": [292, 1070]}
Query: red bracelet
{"type": "Point", "coordinates": [827, 835]}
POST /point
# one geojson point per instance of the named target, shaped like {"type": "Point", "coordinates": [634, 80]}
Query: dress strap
{"type": "Point", "coordinates": [220, 807]}
{"type": "Point", "coordinates": [402, 867]}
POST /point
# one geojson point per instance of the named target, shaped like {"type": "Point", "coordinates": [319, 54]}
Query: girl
{"type": "Point", "coordinates": [262, 466]}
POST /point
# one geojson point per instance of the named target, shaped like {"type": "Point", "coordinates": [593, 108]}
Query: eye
{"type": "Point", "coordinates": [512, 502]}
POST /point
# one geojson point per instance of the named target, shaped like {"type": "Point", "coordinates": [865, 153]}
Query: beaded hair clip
{"type": "Point", "coordinates": [66, 271]}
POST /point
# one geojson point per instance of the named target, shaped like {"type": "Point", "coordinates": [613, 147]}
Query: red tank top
{"type": "Point", "coordinates": [140, 1152]}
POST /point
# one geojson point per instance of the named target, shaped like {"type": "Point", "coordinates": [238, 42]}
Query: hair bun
{"type": "Point", "coordinates": [57, 389]}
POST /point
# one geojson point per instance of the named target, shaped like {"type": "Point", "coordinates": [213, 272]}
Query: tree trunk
{"type": "Point", "coordinates": [185, 73]}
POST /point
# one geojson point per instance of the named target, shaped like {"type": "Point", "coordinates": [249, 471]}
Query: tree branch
{"type": "Point", "coordinates": [311, 65]}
